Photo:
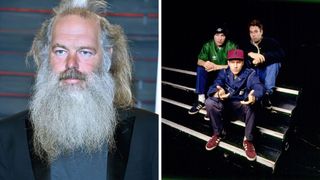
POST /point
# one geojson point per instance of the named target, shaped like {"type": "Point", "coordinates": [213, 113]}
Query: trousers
{"type": "Point", "coordinates": [219, 111]}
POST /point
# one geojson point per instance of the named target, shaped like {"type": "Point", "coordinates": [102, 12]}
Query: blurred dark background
{"type": "Point", "coordinates": [293, 23]}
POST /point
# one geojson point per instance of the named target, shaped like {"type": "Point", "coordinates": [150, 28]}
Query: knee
{"type": "Point", "coordinates": [201, 70]}
{"type": "Point", "coordinates": [246, 107]}
{"type": "Point", "coordinates": [249, 108]}
{"type": "Point", "coordinates": [213, 103]}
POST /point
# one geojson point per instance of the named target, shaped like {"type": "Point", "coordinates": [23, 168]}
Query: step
{"type": "Point", "coordinates": [189, 77]}
{"type": "Point", "coordinates": [229, 145]}
{"type": "Point", "coordinates": [178, 95]}
{"type": "Point", "coordinates": [189, 80]}
{"type": "Point", "coordinates": [269, 126]}
{"type": "Point", "coordinates": [263, 136]}
{"type": "Point", "coordinates": [186, 95]}
{"type": "Point", "coordinates": [279, 133]}
{"type": "Point", "coordinates": [190, 74]}
{"type": "Point", "coordinates": [284, 102]}
{"type": "Point", "coordinates": [184, 157]}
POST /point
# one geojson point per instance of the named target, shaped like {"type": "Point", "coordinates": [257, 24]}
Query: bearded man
{"type": "Point", "coordinates": [81, 123]}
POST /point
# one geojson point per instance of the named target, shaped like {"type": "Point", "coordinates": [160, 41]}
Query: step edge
{"type": "Point", "coordinates": [279, 89]}
{"type": "Point", "coordinates": [224, 145]}
{"type": "Point", "coordinates": [237, 122]}
{"type": "Point", "coordinates": [274, 108]}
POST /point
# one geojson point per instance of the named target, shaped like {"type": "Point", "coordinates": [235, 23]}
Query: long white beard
{"type": "Point", "coordinates": [68, 117]}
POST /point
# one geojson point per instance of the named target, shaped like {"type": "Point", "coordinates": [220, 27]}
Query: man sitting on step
{"type": "Point", "coordinates": [235, 91]}
{"type": "Point", "coordinates": [264, 54]}
{"type": "Point", "coordinates": [212, 58]}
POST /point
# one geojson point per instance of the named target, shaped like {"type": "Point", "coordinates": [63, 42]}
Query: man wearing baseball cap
{"type": "Point", "coordinates": [234, 92]}
{"type": "Point", "coordinates": [212, 57]}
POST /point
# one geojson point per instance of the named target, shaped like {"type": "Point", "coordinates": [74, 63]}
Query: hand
{"type": "Point", "coordinates": [255, 61]}
{"type": "Point", "coordinates": [221, 93]}
{"type": "Point", "coordinates": [209, 66]}
{"type": "Point", "coordinates": [262, 59]}
{"type": "Point", "coordinates": [257, 58]}
{"type": "Point", "coordinates": [251, 99]}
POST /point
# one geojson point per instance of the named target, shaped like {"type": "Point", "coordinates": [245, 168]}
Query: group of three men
{"type": "Point", "coordinates": [245, 76]}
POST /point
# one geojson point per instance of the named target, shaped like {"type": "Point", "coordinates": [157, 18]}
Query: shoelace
{"type": "Point", "coordinates": [215, 139]}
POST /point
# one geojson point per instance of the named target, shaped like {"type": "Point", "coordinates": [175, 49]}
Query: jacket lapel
{"type": "Point", "coordinates": [118, 157]}
{"type": "Point", "coordinates": [16, 149]}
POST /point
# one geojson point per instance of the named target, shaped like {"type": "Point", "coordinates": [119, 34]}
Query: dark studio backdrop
{"type": "Point", "coordinates": [295, 24]}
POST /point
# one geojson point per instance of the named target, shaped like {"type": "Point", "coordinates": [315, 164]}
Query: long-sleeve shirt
{"type": "Point", "coordinates": [269, 48]}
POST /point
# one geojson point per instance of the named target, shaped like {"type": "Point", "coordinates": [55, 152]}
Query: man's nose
{"type": "Point", "coordinates": [72, 61]}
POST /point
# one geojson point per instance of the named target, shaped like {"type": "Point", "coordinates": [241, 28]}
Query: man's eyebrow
{"type": "Point", "coordinates": [87, 47]}
{"type": "Point", "coordinates": [59, 45]}
{"type": "Point", "coordinates": [80, 48]}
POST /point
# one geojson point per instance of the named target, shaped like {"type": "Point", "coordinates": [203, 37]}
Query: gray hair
{"type": "Point", "coordinates": [112, 36]}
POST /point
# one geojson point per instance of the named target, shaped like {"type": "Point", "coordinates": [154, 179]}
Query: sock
{"type": "Point", "coordinates": [201, 98]}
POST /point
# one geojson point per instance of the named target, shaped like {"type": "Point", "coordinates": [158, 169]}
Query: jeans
{"type": "Point", "coordinates": [268, 76]}
{"type": "Point", "coordinates": [202, 80]}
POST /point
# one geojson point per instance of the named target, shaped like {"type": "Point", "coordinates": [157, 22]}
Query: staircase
{"type": "Point", "coordinates": [184, 136]}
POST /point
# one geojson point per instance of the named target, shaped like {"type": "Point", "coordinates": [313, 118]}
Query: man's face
{"type": "Point", "coordinates": [235, 66]}
{"type": "Point", "coordinates": [75, 45]}
{"type": "Point", "coordinates": [72, 107]}
{"type": "Point", "coordinates": [219, 39]}
{"type": "Point", "coordinates": [255, 33]}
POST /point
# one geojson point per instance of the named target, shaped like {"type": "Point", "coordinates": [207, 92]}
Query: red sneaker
{"type": "Point", "coordinates": [250, 151]}
{"type": "Point", "coordinates": [213, 142]}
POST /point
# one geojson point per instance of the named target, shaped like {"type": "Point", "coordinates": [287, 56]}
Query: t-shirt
{"type": "Point", "coordinates": [77, 165]}
{"type": "Point", "coordinates": [210, 52]}
{"type": "Point", "coordinates": [80, 165]}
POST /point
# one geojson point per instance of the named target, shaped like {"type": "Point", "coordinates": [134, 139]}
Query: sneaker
{"type": "Point", "coordinates": [250, 151]}
{"type": "Point", "coordinates": [213, 142]}
{"type": "Point", "coordinates": [196, 108]}
{"type": "Point", "coordinates": [206, 117]}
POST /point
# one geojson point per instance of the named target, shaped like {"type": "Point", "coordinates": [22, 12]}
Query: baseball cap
{"type": "Point", "coordinates": [235, 54]}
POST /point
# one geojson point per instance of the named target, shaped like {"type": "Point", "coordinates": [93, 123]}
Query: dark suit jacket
{"type": "Point", "coordinates": [136, 155]}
